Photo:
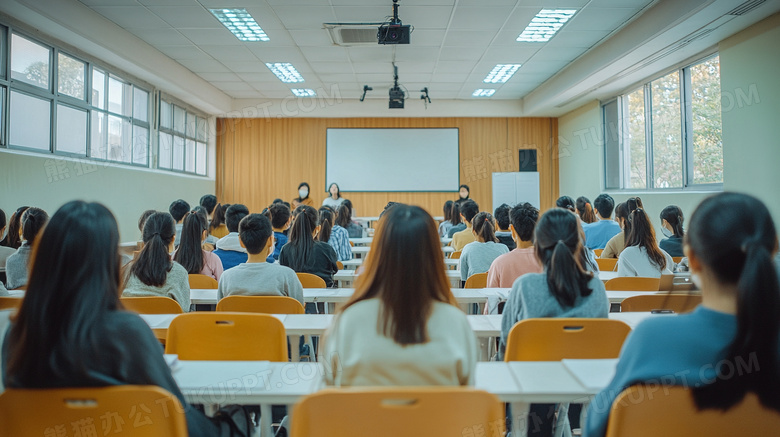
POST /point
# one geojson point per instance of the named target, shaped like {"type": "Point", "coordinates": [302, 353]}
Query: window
{"type": "Point", "coordinates": [182, 140]}
{"type": "Point", "coordinates": [30, 119]}
{"type": "Point", "coordinates": [30, 61]}
{"type": "Point", "coordinates": [70, 76]}
{"type": "Point", "coordinates": [669, 134]}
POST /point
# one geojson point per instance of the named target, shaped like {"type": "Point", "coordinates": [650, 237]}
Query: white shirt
{"type": "Point", "coordinates": [634, 261]}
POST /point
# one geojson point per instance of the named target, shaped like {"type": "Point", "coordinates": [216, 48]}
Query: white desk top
{"type": "Point", "coordinates": [341, 295]}
{"type": "Point", "coordinates": [356, 262]}
{"type": "Point", "coordinates": [349, 275]}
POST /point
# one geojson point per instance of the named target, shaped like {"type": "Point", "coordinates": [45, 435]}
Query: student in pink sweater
{"type": "Point", "coordinates": [510, 266]}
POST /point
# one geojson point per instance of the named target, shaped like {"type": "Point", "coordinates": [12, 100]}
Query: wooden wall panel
{"type": "Point", "coordinates": [259, 160]}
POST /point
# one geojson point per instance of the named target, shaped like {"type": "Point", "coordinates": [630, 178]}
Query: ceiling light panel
{"type": "Point", "coordinates": [501, 73]}
{"type": "Point", "coordinates": [303, 92]}
{"type": "Point", "coordinates": [241, 24]}
{"type": "Point", "coordinates": [285, 72]}
{"type": "Point", "coordinates": [545, 25]}
{"type": "Point", "coordinates": [483, 92]}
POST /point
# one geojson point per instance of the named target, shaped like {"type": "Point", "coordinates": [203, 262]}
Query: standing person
{"type": "Point", "coordinates": [672, 228]}
{"type": "Point", "coordinates": [303, 196]}
{"type": "Point", "coordinates": [334, 200]}
{"type": "Point", "coordinates": [468, 209]}
{"type": "Point", "coordinates": [190, 253]}
{"type": "Point", "coordinates": [402, 326]}
{"type": "Point", "coordinates": [585, 210]}
{"type": "Point", "coordinates": [16, 266]}
{"type": "Point", "coordinates": [598, 233]}
{"type": "Point", "coordinates": [446, 224]}
{"type": "Point", "coordinates": [336, 236]}
{"type": "Point", "coordinates": [508, 267]}
{"type": "Point", "coordinates": [303, 253]}
{"type": "Point", "coordinates": [730, 243]}
{"type": "Point", "coordinates": [13, 238]}
{"type": "Point", "coordinates": [503, 234]}
{"type": "Point", "coordinates": [478, 255]}
{"type": "Point", "coordinates": [178, 209]}
{"type": "Point", "coordinates": [463, 193]}
{"type": "Point", "coordinates": [642, 256]}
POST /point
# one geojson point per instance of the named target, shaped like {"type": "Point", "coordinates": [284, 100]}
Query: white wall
{"type": "Point", "coordinates": [48, 182]}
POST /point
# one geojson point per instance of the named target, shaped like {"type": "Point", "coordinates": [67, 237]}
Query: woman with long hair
{"type": "Point", "coordinates": [585, 210]}
{"type": "Point", "coordinates": [217, 227]}
{"type": "Point", "coordinates": [190, 253]}
{"type": "Point", "coordinates": [477, 256]}
{"type": "Point", "coordinates": [623, 212]}
{"type": "Point", "coordinates": [333, 234]}
{"type": "Point", "coordinates": [446, 224]}
{"type": "Point", "coordinates": [16, 266]}
{"type": "Point", "coordinates": [642, 256]}
{"type": "Point", "coordinates": [457, 223]}
{"type": "Point", "coordinates": [334, 199]}
{"type": "Point", "coordinates": [153, 273]}
{"type": "Point", "coordinates": [672, 228]}
{"type": "Point", "coordinates": [344, 219]}
{"type": "Point", "coordinates": [402, 326]}
{"type": "Point", "coordinates": [303, 253]}
{"type": "Point", "coordinates": [730, 243]}
{"type": "Point", "coordinates": [13, 238]}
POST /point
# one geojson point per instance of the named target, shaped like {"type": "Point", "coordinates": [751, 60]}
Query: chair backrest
{"type": "Point", "coordinates": [309, 280]}
{"type": "Point", "coordinates": [227, 337]}
{"type": "Point", "coordinates": [677, 259]}
{"type": "Point", "coordinates": [125, 410]}
{"type": "Point", "coordinates": [260, 304]}
{"type": "Point", "coordinates": [633, 283]}
{"type": "Point", "coordinates": [456, 254]}
{"type": "Point", "coordinates": [429, 411]}
{"type": "Point", "coordinates": [477, 280]}
{"type": "Point", "coordinates": [607, 264]}
{"type": "Point", "coordinates": [555, 339]}
{"type": "Point", "coordinates": [203, 282]}
{"type": "Point", "coordinates": [10, 302]}
{"type": "Point", "coordinates": [340, 265]}
{"type": "Point", "coordinates": [151, 305]}
{"type": "Point", "coordinates": [644, 411]}
{"type": "Point", "coordinates": [679, 303]}
{"type": "Point", "coordinates": [598, 252]}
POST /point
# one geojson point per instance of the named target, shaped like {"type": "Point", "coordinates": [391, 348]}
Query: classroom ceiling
{"type": "Point", "coordinates": [454, 45]}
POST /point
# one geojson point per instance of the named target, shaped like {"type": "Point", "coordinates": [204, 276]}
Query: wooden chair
{"type": "Point", "coordinates": [455, 255]}
{"type": "Point", "coordinates": [679, 303]}
{"type": "Point", "coordinates": [227, 337]}
{"type": "Point", "coordinates": [10, 302]}
{"type": "Point", "coordinates": [260, 304]}
{"type": "Point", "coordinates": [633, 283]}
{"type": "Point", "coordinates": [386, 412]}
{"type": "Point", "coordinates": [340, 265]}
{"type": "Point", "coordinates": [607, 264]}
{"type": "Point", "coordinates": [477, 280]}
{"type": "Point", "coordinates": [309, 280]}
{"type": "Point", "coordinates": [644, 411]}
{"type": "Point", "coordinates": [26, 412]}
{"type": "Point", "coordinates": [203, 282]}
{"type": "Point", "coordinates": [151, 305]}
{"type": "Point", "coordinates": [598, 252]}
{"type": "Point", "coordinates": [677, 259]}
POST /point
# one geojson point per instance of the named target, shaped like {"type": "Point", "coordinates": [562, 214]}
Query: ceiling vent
{"type": "Point", "coordinates": [353, 34]}
{"type": "Point", "coordinates": [746, 7]}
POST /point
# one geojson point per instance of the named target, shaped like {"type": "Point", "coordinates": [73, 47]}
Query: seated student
{"type": "Point", "coordinates": [303, 253]}
{"type": "Point", "coordinates": [468, 209]}
{"type": "Point", "coordinates": [402, 326]}
{"type": "Point", "coordinates": [457, 223]}
{"type": "Point", "coordinates": [344, 219]}
{"type": "Point", "coordinates": [16, 266]}
{"type": "Point", "coordinates": [642, 257]}
{"type": "Point", "coordinates": [13, 238]}
{"type": "Point", "coordinates": [585, 210]}
{"type": "Point", "coordinates": [623, 211]}
{"type": "Point", "coordinates": [153, 273]}
{"type": "Point", "coordinates": [190, 253]}
{"type": "Point", "coordinates": [217, 227]}
{"type": "Point", "coordinates": [256, 277]}
{"type": "Point", "coordinates": [598, 233]}
{"type": "Point", "coordinates": [730, 243]}
{"type": "Point", "coordinates": [229, 248]}
{"type": "Point", "coordinates": [566, 202]}
{"type": "Point", "coordinates": [89, 339]}
{"type": "Point", "coordinates": [5, 252]}
{"type": "Point", "coordinates": [178, 209]}
{"type": "Point", "coordinates": [3, 292]}
{"type": "Point", "coordinates": [503, 234]}
{"type": "Point", "coordinates": [478, 255]}
{"type": "Point", "coordinates": [209, 204]}
{"type": "Point", "coordinates": [334, 200]}
{"type": "Point", "coordinates": [142, 220]}
{"type": "Point", "coordinates": [508, 267]}
{"type": "Point", "coordinates": [281, 217]}
{"type": "Point", "coordinates": [672, 228]}
{"type": "Point", "coordinates": [446, 224]}
{"type": "Point", "coordinates": [303, 196]}
{"type": "Point", "coordinates": [336, 236]}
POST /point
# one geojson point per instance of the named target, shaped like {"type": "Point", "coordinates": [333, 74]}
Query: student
{"type": "Point", "coordinates": [178, 209]}
{"type": "Point", "coordinates": [208, 202]}
{"type": "Point", "coordinates": [334, 200]}
{"type": "Point", "coordinates": [642, 257]}
{"type": "Point", "coordinates": [598, 233]}
{"type": "Point", "coordinates": [622, 212]}
{"type": "Point", "coordinates": [672, 228]}
{"type": "Point", "coordinates": [142, 220]}
{"type": "Point", "coordinates": [190, 253]}
{"type": "Point", "coordinates": [280, 221]}
{"type": "Point", "coordinates": [16, 266]}
{"type": "Point", "coordinates": [74, 291]}
{"type": "Point", "coordinates": [303, 196]}
{"type": "Point", "coordinates": [463, 192]}
{"type": "Point", "coordinates": [457, 223]}
{"type": "Point", "coordinates": [508, 267]}
{"type": "Point", "coordinates": [402, 326]}
{"type": "Point", "coordinates": [336, 236]}
{"type": "Point", "coordinates": [503, 234]}
{"type": "Point", "coordinates": [5, 252]}
{"type": "Point", "coordinates": [303, 253]}
{"type": "Point", "coordinates": [446, 224]}
{"type": "Point", "coordinates": [13, 238]}
{"type": "Point", "coordinates": [468, 209]}
{"type": "Point", "coordinates": [217, 227]}
{"type": "Point", "coordinates": [256, 277]}
{"type": "Point", "coordinates": [153, 273]}
{"type": "Point", "coordinates": [229, 248]}
{"type": "Point", "coordinates": [585, 210]}
{"type": "Point", "coordinates": [478, 255]}
{"type": "Point", "coordinates": [566, 202]}
{"type": "Point", "coordinates": [210, 242]}
{"type": "Point", "coordinates": [344, 219]}
{"type": "Point", "coordinates": [730, 243]}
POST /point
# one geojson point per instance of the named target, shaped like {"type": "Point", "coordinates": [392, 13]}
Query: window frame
{"type": "Point", "coordinates": [188, 113]}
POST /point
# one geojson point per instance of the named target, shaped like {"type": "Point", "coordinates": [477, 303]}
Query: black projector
{"type": "Point", "coordinates": [393, 34]}
{"type": "Point", "coordinates": [396, 97]}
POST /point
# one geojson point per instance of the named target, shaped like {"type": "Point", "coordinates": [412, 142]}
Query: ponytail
{"type": "Point", "coordinates": [33, 220]}
{"type": "Point", "coordinates": [643, 235]}
{"type": "Point", "coordinates": [585, 210]}
{"type": "Point", "coordinates": [190, 252]}
{"type": "Point", "coordinates": [219, 216]}
{"type": "Point", "coordinates": [326, 220]}
{"type": "Point", "coordinates": [674, 216]}
{"type": "Point", "coordinates": [484, 227]}
{"type": "Point", "coordinates": [631, 205]}
{"type": "Point", "coordinates": [300, 246]}
{"type": "Point", "coordinates": [154, 261]}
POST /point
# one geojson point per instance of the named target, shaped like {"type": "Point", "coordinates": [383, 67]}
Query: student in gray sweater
{"type": "Point", "coordinates": [256, 277]}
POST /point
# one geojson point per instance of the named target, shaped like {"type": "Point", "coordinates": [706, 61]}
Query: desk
{"type": "Point", "coordinates": [361, 251]}
{"type": "Point", "coordinates": [606, 276]}
{"type": "Point", "coordinates": [353, 264]}
{"type": "Point", "coordinates": [365, 241]}
{"type": "Point", "coordinates": [345, 278]}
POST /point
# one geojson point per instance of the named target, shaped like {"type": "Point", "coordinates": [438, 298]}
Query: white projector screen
{"type": "Point", "coordinates": [393, 159]}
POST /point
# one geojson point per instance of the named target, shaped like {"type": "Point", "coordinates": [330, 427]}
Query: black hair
{"type": "Point", "coordinates": [280, 214]}
{"type": "Point", "coordinates": [301, 240]}
{"type": "Point", "coordinates": [144, 216]}
{"type": "Point", "coordinates": [455, 214]}
{"type": "Point", "coordinates": [303, 184]}
{"type": "Point", "coordinates": [604, 204]}
{"type": "Point", "coordinates": [12, 238]}
{"type": "Point", "coordinates": [734, 236]}
{"type": "Point", "coordinates": [338, 190]}
{"type": "Point", "coordinates": [209, 202]}
{"type": "Point", "coordinates": [469, 209]}
{"type": "Point", "coordinates": [2, 219]}
{"type": "Point", "coordinates": [326, 222]}
{"type": "Point", "coordinates": [566, 202]}
{"type": "Point", "coordinates": [33, 220]}
{"type": "Point", "coordinates": [448, 210]}
{"type": "Point", "coordinates": [559, 247]}
{"type": "Point", "coordinates": [502, 216]}
{"type": "Point", "coordinates": [219, 216]}
{"type": "Point", "coordinates": [467, 189]}
{"type": "Point", "coordinates": [585, 210]}
{"type": "Point", "coordinates": [277, 200]}
{"type": "Point", "coordinates": [344, 215]}
{"type": "Point", "coordinates": [631, 205]}
{"type": "Point", "coordinates": [154, 262]}
{"type": "Point", "coordinates": [178, 209]}
{"type": "Point", "coordinates": [74, 283]}
{"type": "Point", "coordinates": [643, 235]}
{"type": "Point", "coordinates": [387, 207]}
{"type": "Point", "coordinates": [190, 251]}
{"type": "Point", "coordinates": [524, 217]}
{"type": "Point", "coordinates": [233, 216]}
{"type": "Point", "coordinates": [621, 211]}
{"type": "Point", "coordinates": [484, 226]}
{"type": "Point", "coordinates": [254, 231]}
{"type": "Point", "coordinates": [674, 215]}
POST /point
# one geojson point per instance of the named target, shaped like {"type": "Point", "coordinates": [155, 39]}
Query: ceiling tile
{"type": "Point", "coordinates": [449, 78]}
{"type": "Point", "coordinates": [371, 54]}
{"type": "Point", "coordinates": [162, 36]}
{"type": "Point", "coordinates": [416, 53]}
{"type": "Point", "coordinates": [427, 37]}
{"type": "Point", "coordinates": [135, 17]}
{"type": "Point", "coordinates": [584, 38]}
{"type": "Point", "coordinates": [337, 77]}
{"type": "Point", "coordinates": [203, 66]}
{"type": "Point", "coordinates": [426, 17]}
{"type": "Point", "coordinates": [229, 53]}
{"type": "Point", "coordinates": [331, 53]}
{"type": "Point", "coordinates": [415, 67]}
{"type": "Point", "coordinates": [548, 53]}
{"type": "Point", "coordinates": [313, 37]}
{"type": "Point", "coordinates": [278, 54]}
{"type": "Point", "coordinates": [293, 19]}
{"type": "Point", "coordinates": [111, 2]}
{"type": "Point", "coordinates": [183, 52]}
{"type": "Point", "coordinates": [209, 36]}
{"type": "Point", "coordinates": [362, 14]}
{"type": "Point", "coordinates": [169, 2]}
{"type": "Point", "coordinates": [372, 67]}
{"type": "Point", "coordinates": [245, 66]}
{"type": "Point", "coordinates": [187, 17]}
{"type": "Point", "coordinates": [606, 19]}
{"type": "Point", "coordinates": [461, 38]}
{"type": "Point", "coordinates": [461, 53]}
{"type": "Point", "coordinates": [480, 17]}
{"type": "Point", "coordinates": [332, 67]}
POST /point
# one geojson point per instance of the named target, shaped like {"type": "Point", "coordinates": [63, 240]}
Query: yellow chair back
{"type": "Point", "coordinates": [202, 282]}
{"type": "Point", "coordinates": [632, 283]}
{"type": "Point", "coordinates": [679, 303]}
{"type": "Point", "coordinates": [561, 338]}
{"type": "Point", "coordinates": [260, 304]}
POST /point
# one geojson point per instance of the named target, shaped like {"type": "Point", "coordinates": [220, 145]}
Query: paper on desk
{"type": "Point", "coordinates": [594, 375]}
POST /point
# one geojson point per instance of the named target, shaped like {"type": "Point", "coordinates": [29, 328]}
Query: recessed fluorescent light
{"type": "Point", "coordinates": [241, 23]}
{"type": "Point", "coordinates": [545, 24]}
{"type": "Point", "coordinates": [285, 72]}
{"type": "Point", "coordinates": [501, 73]}
{"type": "Point", "coordinates": [303, 92]}
{"type": "Point", "coordinates": [483, 92]}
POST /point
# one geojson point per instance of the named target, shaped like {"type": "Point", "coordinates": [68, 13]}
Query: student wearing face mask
{"type": "Point", "coordinates": [672, 228]}
{"type": "Point", "coordinates": [303, 196]}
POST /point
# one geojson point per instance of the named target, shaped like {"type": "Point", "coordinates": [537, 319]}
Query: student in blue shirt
{"type": "Point", "coordinates": [229, 248]}
{"type": "Point", "coordinates": [730, 244]}
{"type": "Point", "coordinates": [333, 234]}
{"type": "Point", "coordinates": [598, 233]}
{"type": "Point", "coordinates": [280, 221]}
